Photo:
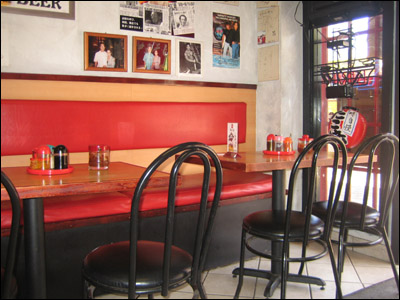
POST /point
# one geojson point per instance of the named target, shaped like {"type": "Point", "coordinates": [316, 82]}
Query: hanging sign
{"type": "Point", "coordinates": [349, 125]}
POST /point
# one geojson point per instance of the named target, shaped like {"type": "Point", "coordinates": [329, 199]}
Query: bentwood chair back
{"type": "Point", "coordinates": [289, 226]}
{"type": "Point", "coordinates": [362, 217]}
{"type": "Point", "coordinates": [8, 281]}
{"type": "Point", "coordinates": [138, 267]}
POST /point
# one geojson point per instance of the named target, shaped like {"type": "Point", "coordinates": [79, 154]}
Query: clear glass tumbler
{"type": "Point", "coordinates": [99, 157]}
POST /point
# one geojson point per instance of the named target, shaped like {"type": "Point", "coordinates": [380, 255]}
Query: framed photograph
{"type": "Point", "coordinates": [151, 55]}
{"type": "Point", "coordinates": [49, 9]}
{"type": "Point", "coordinates": [189, 58]}
{"type": "Point", "coordinates": [105, 52]}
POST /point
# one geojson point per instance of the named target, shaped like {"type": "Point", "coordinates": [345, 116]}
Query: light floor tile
{"type": "Point", "coordinates": [363, 260]}
{"type": "Point", "coordinates": [226, 285]}
{"type": "Point", "coordinates": [373, 274]}
{"type": "Point", "coordinates": [360, 271]}
{"type": "Point", "coordinates": [293, 290]}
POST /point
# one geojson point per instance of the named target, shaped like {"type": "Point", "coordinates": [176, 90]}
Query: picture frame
{"type": "Point", "coordinates": [189, 58]}
{"type": "Point", "coordinates": [49, 9]}
{"type": "Point", "coordinates": [112, 44]}
{"type": "Point", "coordinates": [144, 63]}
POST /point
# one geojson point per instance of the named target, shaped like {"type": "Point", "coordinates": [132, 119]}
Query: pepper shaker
{"type": "Point", "coordinates": [60, 157]}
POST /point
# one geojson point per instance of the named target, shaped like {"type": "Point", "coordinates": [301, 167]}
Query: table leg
{"type": "Point", "coordinates": [35, 265]}
{"type": "Point", "coordinates": [278, 203]}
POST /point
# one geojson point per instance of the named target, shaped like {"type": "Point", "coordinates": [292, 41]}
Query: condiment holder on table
{"type": "Point", "coordinates": [278, 145]}
{"type": "Point", "coordinates": [303, 142]}
{"type": "Point", "coordinates": [49, 160]}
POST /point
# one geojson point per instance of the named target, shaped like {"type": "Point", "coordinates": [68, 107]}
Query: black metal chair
{"type": "Point", "coordinates": [287, 226]}
{"type": "Point", "coordinates": [8, 282]}
{"type": "Point", "coordinates": [136, 266]}
{"type": "Point", "coordinates": [360, 216]}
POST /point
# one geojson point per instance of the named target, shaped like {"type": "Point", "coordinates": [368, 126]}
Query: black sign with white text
{"type": "Point", "coordinates": [131, 23]}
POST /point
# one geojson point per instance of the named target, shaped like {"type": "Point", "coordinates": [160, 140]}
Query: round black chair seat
{"type": "Point", "coordinates": [353, 217]}
{"type": "Point", "coordinates": [108, 266]}
{"type": "Point", "coordinates": [271, 224]}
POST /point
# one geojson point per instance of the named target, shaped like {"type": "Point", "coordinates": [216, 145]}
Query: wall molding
{"type": "Point", "coordinates": [54, 77]}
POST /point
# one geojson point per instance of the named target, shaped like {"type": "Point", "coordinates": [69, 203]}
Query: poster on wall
{"type": "Point", "coordinates": [182, 16]}
{"type": "Point", "coordinates": [189, 58]}
{"type": "Point", "coordinates": [268, 26]}
{"type": "Point", "coordinates": [268, 63]}
{"type": "Point", "coordinates": [226, 41]}
{"type": "Point", "coordinates": [160, 17]}
{"type": "Point", "coordinates": [145, 16]}
{"type": "Point", "coordinates": [156, 17]}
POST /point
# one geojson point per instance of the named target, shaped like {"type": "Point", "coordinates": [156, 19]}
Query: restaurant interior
{"type": "Point", "coordinates": [227, 79]}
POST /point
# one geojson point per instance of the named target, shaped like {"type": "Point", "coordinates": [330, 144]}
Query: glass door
{"type": "Point", "coordinates": [350, 58]}
{"type": "Point", "coordinates": [348, 73]}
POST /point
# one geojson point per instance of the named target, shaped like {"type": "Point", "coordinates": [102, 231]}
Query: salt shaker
{"type": "Point", "coordinates": [278, 143]}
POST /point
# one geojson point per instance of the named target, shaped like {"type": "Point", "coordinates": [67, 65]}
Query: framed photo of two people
{"type": "Point", "coordinates": [105, 52]}
{"type": "Point", "coordinates": [151, 55]}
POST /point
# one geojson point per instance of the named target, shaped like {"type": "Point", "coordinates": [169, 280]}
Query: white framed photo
{"type": "Point", "coordinates": [189, 58]}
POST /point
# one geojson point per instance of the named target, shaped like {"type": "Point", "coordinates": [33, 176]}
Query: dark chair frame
{"type": "Point", "coordinates": [285, 233]}
{"type": "Point", "coordinates": [362, 222]}
{"type": "Point", "coordinates": [203, 229]}
{"type": "Point", "coordinates": [7, 281]}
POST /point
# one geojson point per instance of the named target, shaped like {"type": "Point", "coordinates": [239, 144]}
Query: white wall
{"type": "Point", "coordinates": [280, 102]}
{"type": "Point", "coordinates": [283, 97]}
{"type": "Point", "coordinates": [31, 44]}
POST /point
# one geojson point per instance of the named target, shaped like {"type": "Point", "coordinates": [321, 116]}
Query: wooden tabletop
{"type": "Point", "coordinates": [257, 161]}
{"type": "Point", "coordinates": [120, 176]}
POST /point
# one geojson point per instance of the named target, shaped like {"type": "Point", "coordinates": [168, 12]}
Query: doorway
{"type": "Point", "coordinates": [349, 54]}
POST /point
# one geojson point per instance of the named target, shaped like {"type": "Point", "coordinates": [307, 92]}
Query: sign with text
{"type": "Point", "coordinates": [54, 9]}
{"type": "Point", "coordinates": [131, 23]}
{"type": "Point", "coordinates": [233, 134]}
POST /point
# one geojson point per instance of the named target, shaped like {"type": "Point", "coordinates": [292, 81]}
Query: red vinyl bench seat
{"type": "Point", "coordinates": [26, 124]}
{"type": "Point", "coordinates": [77, 210]}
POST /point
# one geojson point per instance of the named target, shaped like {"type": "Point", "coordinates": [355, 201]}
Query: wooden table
{"type": "Point", "coordinates": [277, 164]}
{"type": "Point", "coordinates": [33, 188]}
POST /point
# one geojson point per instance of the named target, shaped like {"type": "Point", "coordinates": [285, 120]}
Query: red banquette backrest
{"type": "Point", "coordinates": [26, 124]}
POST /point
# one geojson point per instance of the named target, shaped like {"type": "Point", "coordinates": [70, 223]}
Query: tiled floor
{"type": "Point", "coordinates": [360, 271]}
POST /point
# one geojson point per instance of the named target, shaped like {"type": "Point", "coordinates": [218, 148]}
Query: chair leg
{"type": "Point", "coordinates": [335, 271]}
{"type": "Point", "coordinates": [342, 252]}
{"type": "Point", "coordinates": [303, 255]}
{"type": "Point", "coordinates": [285, 267]}
{"type": "Point", "coordinates": [201, 291]}
{"type": "Point", "coordinates": [196, 294]}
{"type": "Point", "coordinates": [391, 258]}
{"type": "Point", "coordinates": [241, 266]}
{"type": "Point", "coordinates": [88, 290]}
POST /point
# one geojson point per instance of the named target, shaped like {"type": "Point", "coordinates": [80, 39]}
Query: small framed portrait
{"type": "Point", "coordinates": [151, 55]}
{"type": "Point", "coordinates": [189, 58]}
{"type": "Point", "coordinates": [105, 52]}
